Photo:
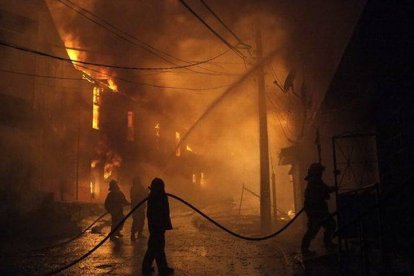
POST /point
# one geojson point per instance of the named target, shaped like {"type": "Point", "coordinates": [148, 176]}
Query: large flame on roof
{"type": "Point", "coordinates": [72, 45]}
{"type": "Point", "coordinates": [112, 85]}
{"type": "Point", "coordinates": [73, 48]}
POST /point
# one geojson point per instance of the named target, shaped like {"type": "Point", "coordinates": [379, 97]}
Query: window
{"type": "Point", "coordinates": [177, 142]}
{"type": "Point", "coordinates": [130, 126]}
{"type": "Point", "coordinates": [96, 101]}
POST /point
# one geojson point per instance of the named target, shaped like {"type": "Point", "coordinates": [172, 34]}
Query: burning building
{"type": "Point", "coordinates": [44, 105]}
{"type": "Point", "coordinates": [56, 116]}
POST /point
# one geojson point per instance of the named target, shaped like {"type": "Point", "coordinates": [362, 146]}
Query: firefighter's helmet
{"type": "Point", "coordinates": [315, 169]}
{"type": "Point", "coordinates": [157, 185]}
{"type": "Point", "coordinates": [113, 185]}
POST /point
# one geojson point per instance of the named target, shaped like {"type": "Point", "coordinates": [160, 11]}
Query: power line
{"type": "Point", "coordinates": [125, 80]}
{"type": "Point", "coordinates": [106, 28]}
{"type": "Point", "coordinates": [39, 76]}
{"type": "Point", "coordinates": [115, 30]}
{"type": "Point", "coordinates": [276, 81]}
{"type": "Point", "coordinates": [224, 24]}
{"type": "Point", "coordinates": [33, 51]}
{"type": "Point", "coordinates": [240, 54]}
{"type": "Point", "coordinates": [127, 34]}
{"type": "Point", "coordinates": [151, 85]}
{"type": "Point", "coordinates": [121, 31]}
{"type": "Point", "coordinates": [276, 116]}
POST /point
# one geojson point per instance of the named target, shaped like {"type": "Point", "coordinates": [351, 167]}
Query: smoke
{"type": "Point", "coordinates": [307, 37]}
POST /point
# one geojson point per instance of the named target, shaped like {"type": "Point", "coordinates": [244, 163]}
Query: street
{"type": "Point", "coordinates": [194, 247]}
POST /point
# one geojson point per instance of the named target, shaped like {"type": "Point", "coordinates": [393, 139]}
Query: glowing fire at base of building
{"type": "Point", "coordinates": [291, 213]}
{"type": "Point", "coordinates": [202, 180]}
{"type": "Point", "coordinates": [112, 163]}
{"type": "Point", "coordinates": [92, 189]}
{"type": "Point", "coordinates": [177, 142]}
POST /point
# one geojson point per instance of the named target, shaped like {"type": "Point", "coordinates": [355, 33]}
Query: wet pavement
{"type": "Point", "coordinates": [194, 247]}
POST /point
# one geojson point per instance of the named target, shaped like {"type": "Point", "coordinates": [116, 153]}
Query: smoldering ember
{"type": "Point", "coordinates": [206, 137]}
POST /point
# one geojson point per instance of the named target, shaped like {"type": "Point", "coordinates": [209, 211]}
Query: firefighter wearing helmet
{"type": "Point", "coordinates": [316, 209]}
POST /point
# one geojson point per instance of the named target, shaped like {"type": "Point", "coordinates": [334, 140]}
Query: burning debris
{"type": "Point", "coordinates": [112, 164]}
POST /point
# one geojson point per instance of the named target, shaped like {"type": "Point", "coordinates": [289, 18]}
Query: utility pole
{"type": "Point", "coordinates": [274, 195]}
{"type": "Point", "coordinates": [265, 216]}
{"type": "Point", "coordinates": [77, 157]}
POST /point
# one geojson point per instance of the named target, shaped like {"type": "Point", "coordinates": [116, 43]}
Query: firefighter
{"type": "Point", "coordinates": [316, 209]}
{"type": "Point", "coordinates": [158, 217]}
{"type": "Point", "coordinates": [114, 204]}
{"type": "Point", "coordinates": [137, 193]}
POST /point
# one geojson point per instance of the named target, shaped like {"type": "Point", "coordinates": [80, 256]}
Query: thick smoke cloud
{"type": "Point", "coordinates": [311, 37]}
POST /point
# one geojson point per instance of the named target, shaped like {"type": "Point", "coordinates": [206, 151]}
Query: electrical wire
{"type": "Point", "coordinates": [231, 47]}
{"type": "Point", "coordinates": [154, 85]}
{"type": "Point", "coordinates": [127, 37]}
{"type": "Point", "coordinates": [224, 25]}
{"type": "Point", "coordinates": [121, 79]}
{"type": "Point", "coordinates": [40, 53]}
{"type": "Point", "coordinates": [280, 122]}
{"type": "Point", "coordinates": [114, 29]}
{"type": "Point", "coordinates": [279, 118]}
{"type": "Point", "coordinates": [276, 81]}
{"type": "Point", "coordinates": [39, 76]}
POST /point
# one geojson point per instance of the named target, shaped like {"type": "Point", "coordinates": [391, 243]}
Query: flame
{"type": "Point", "coordinates": [202, 180]}
{"type": "Point", "coordinates": [157, 130]}
{"type": "Point", "coordinates": [110, 76]}
{"type": "Point", "coordinates": [91, 187]}
{"type": "Point", "coordinates": [188, 148]}
{"type": "Point", "coordinates": [113, 161]}
{"type": "Point", "coordinates": [71, 43]}
{"type": "Point", "coordinates": [94, 163]}
{"type": "Point", "coordinates": [96, 102]}
{"type": "Point", "coordinates": [130, 126]}
{"type": "Point", "coordinates": [112, 85]}
{"type": "Point", "coordinates": [177, 141]}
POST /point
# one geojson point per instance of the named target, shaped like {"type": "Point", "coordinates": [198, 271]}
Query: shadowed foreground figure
{"type": "Point", "coordinates": [138, 193]}
{"type": "Point", "coordinates": [158, 215]}
{"type": "Point", "coordinates": [316, 209]}
{"type": "Point", "coordinates": [114, 204]}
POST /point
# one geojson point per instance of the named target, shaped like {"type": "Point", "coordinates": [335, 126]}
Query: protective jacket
{"type": "Point", "coordinates": [316, 195]}
{"type": "Point", "coordinates": [115, 201]}
{"type": "Point", "coordinates": [138, 193]}
{"type": "Point", "coordinates": [158, 212]}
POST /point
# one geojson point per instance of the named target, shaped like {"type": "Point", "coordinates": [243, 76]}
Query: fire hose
{"type": "Point", "coordinates": [212, 221]}
{"type": "Point", "coordinates": [274, 234]}
{"type": "Point", "coordinates": [74, 262]}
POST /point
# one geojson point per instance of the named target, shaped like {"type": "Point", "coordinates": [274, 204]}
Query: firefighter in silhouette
{"type": "Point", "coordinates": [158, 216]}
{"type": "Point", "coordinates": [114, 204]}
{"type": "Point", "coordinates": [137, 193]}
{"type": "Point", "coordinates": [316, 209]}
